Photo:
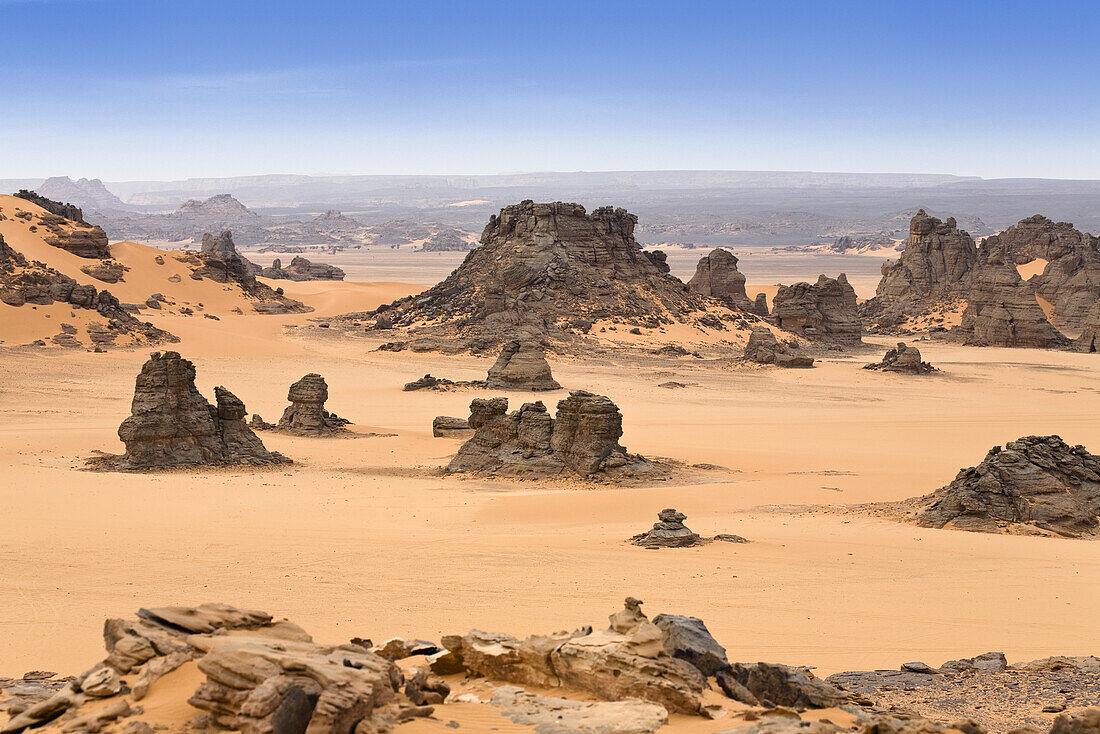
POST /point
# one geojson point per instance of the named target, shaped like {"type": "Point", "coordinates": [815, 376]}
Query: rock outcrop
{"type": "Point", "coordinates": [521, 366]}
{"type": "Point", "coordinates": [760, 305]}
{"type": "Point", "coordinates": [717, 276]}
{"type": "Point", "coordinates": [31, 282]}
{"type": "Point", "coordinates": [445, 426]}
{"type": "Point", "coordinates": [306, 413]}
{"type": "Point", "coordinates": [65, 211]}
{"type": "Point", "coordinates": [904, 359]}
{"type": "Point", "coordinates": [301, 269]}
{"type": "Point", "coordinates": [1089, 340]}
{"type": "Point", "coordinates": [825, 311]}
{"type": "Point", "coordinates": [172, 425]}
{"type": "Point", "coordinates": [764, 348]}
{"type": "Point", "coordinates": [219, 261]}
{"type": "Point", "coordinates": [583, 441]}
{"type": "Point", "coordinates": [1002, 310]}
{"type": "Point", "coordinates": [1033, 484]}
{"type": "Point", "coordinates": [547, 272]}
{"type": "Point", "coordinates": [932, 268]}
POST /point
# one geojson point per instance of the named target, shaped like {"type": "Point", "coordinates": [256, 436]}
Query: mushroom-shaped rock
{"type": "Point", "coordinates": [306, 413]}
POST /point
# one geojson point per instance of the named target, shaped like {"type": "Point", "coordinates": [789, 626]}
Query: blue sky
{"type": "Point", "coordinates": [122, 89]}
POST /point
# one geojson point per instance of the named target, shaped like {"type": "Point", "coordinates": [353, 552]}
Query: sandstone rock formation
{"type": "Point", "coordinates": [306, 413]}
{"type": "Point", "coordinates": [717, 276]}
{"type": "Point", "coordinates": [825, 311]}
{"type": "Point", "coordinates": [583, 440]}
{"type": "Point", "coordinates": [219, 261]}
{"type": "Point", "coordinates": [933, 267]}
{"type": "Point", "coordinates": [107, 271]}
{"type": "Point", "coordinates": [904, 359]}
{"type": "Point", "coordinates": [627, 661]}
{"type": "Point", "coordinates": [668, 532]}
{"type": "Point", "coordinates": [764, 348]}
{"type": "Point", "coordinates": [1089, 340]}
{"type": "Point", "coordinates": [445, 426]}
{"type": "Point", "coordinates": [543, 271]}
{"type": "Point", "coordinates": [551, 715]}
{"type": "Point", "coordinates": [1002, 310]}
{"type": "Point", "coordinates": [1036, 483]}
{"type": "Point", "coordinates": [760, 305]}
{"type": "Point", "coordinates": [172, 425]}
{"type": "Point", "coordinates": [67, 228]}
{"type": "Point", "coordinates": [428, 382]}
{"type": "Point", "coordinates": [65, 211]}
{"type": "Point", "coordinates": [31, 282]}
{"type": "Point", "coordinates": [301, 269]}
{"type": "Point", "coordinates": [521, 366]}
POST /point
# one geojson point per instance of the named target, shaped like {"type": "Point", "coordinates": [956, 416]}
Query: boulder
{"type": "Point", "coordinates": [780, 685]}
{"type": "Point", "coordinates": [764, 348]}
{"type": "Point", "coordinates": [306, 413]}
{"type": "Point", "coordinates": [521, 366]}
{"type": "Point", "coordinates": [445, 426]}
{"type": "Point", "coordinates": [825, 311]}
{"type": "Point", "coordinates": [427, 382]}
{"type": "Point", "coordinates": [1033, 484]}
{"type": "Point", "coordinates": [528, 443]}
{"type": "Point", "coordinates": [717, 276]}
{"type": "Point", "coordinates": [903, 359]}
{"type": "Point", "coordinates": [301, 269]}
{"type": "Point", "coordinates": [172, 425]}
{"type": "Point", "coordinates": [688, 639]}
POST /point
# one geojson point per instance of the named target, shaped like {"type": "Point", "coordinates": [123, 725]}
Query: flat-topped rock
{"type": "Point", "coordinates": [764, 348]}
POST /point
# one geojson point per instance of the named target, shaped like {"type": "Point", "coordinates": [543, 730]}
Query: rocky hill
{"type": "Point", "coordinates": [550, 272]}
{"type": "Point", "coordinates": [89, 194]}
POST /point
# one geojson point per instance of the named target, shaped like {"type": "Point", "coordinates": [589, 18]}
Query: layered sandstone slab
{"type": "Point", "coordinates": [823, 311]}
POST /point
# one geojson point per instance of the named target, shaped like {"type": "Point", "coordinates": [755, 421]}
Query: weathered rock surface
{"type": "Point", "coordinates": [540, 269]}
{"type": "Point", "coordinates": [1033, 484]}
{"type": "Point", "coordinates": [428, 382]}
{"type": "Point", "coordinates": [172, 425]}
{"type": "Point", "coordinates": [668, 532]}
{"type": "Point", "coordinates": [764, 348]}
{"type": "Point", "coordinates": [583, 440]}
{"type": "Point", "coordinates": [301, 269]}
{"type": "Point", "coordinates": [107, 271]}
{"type": "Point", "coordinates": [219, 261]}
{"type": "Point", "coordinates": [306, 413]}
{"type": "Point", "coordinates": [1089, 340]}
{"type": "Point", "coordinates": [521, 366]}
{"type": "Point", "coordinates": [780, 685]}
{"type": "Point", "coordinates": [760, 305]}
{"type": "Point", "coordinates": [1002, 310]}
{"type": "Point", "coordinates": [688, 639]}
{"type": "Point", "coordinates": [552, 715]}
{"type": "Point", "coordinates": [933, 267]}
{"type": "Point", "coordinates": [903, 359]}
{"type": "Point", "coordinates": [445, 426]}
{"type": "Point", "coordinates": [66, 211]}
{"type": "Point", "coordinates": [825, 311]}
{"type": "Point", "coordinates": [717, 276]}
{"type": "Point", "coordinates": [628, 661]}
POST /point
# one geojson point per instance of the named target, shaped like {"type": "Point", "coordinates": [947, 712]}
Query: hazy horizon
{"type": "Point", "coordinates": [166, 91]}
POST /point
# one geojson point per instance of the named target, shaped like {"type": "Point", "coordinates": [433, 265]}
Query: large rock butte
{"type": "Point", "coordinates": [172, 425]}
{"type": "Point", "coordinates": [1036, 483]}
{"type": "Point", "coordinates": [544, 271]}
{"type": "Point", "coordinates": [583, 440]}
{"type": "Point", "coordinates": [521, 366]}
{"type": "Point", "coordinates": [824, 311]}
{"type": "Point", "coordinates": [717, 276]}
